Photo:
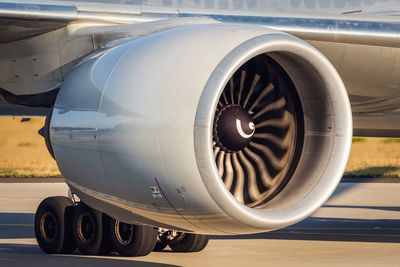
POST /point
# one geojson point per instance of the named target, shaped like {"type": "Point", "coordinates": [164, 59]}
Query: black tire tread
{"type": "Point", "coordinates": [160, 246]}
{"type": "Point", "coordinates": [189, 243]}
{"type": "Point", "coordinates": [147, 235]}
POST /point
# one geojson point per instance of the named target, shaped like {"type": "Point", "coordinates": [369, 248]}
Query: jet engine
{"type": "Point", "coordinates": [214, 128]}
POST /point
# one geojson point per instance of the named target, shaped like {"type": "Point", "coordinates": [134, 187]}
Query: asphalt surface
{"type": "Point", "coordinates": [359, 225]}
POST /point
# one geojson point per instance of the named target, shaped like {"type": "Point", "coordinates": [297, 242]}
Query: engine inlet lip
{"type": "Point", "coordinates": [272, 42]}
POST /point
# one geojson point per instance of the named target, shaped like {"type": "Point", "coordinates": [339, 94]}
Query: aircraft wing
{"type": "Point", "coordinates": [19, 20]}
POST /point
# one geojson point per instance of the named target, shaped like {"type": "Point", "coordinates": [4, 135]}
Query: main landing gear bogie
{"type": "Point", "coordinates": [61, 226]}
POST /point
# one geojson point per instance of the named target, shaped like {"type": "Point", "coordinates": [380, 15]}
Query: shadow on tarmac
{"type": "Point", "coordinates": [31, 255]}
{"type": "Point", "coordinates": [334, 229]}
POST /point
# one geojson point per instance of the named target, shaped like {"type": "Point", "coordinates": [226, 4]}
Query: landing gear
{"type": "Point", "coordinates": [181, 242]}
{"type": "Point", "coordinates": [53, 226]}
{"type": "Point", "coordinates": [61, 226]}
{"type": "Point", "coordinates": [185, 242]}
{"type": "Point", "coordinates": [162, 242]}
{"type": "Point", "coordinates": [90, 230]}
{"type": "Point", "coordinates": [132, 240]}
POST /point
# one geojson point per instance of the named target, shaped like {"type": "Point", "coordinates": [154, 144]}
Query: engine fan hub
{"type": "Point", "coordinates": [234, 128]}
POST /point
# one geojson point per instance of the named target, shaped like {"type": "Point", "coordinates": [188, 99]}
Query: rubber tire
{"type": "Point", "coordinates": [189, 243]}
{"type": "Point", "coordinates": [160, 246]}
{"type": "Point", "coordinates": [62, 209]}
{"type": "Point", "coordinates": [100, 244]}
{"type": "Point", "coordinates": [143, 241]}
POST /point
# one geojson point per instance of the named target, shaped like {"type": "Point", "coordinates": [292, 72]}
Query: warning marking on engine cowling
{"type": "Point", "coordinates": [156, 192]}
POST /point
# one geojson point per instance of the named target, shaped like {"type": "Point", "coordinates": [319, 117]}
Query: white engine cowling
{"type": "Point", "coordinates": [215, 128]}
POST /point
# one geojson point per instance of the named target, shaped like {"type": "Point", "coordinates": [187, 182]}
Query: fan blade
{"type": "Point", "coordinates": [278, 104]}
{"type": "Point", "coordinates": [232, 87]}
{"type": "Point", "coordinates": [253, 86]}
{"type": "Point", "coordinates": [265, 178]}
{"type": "Point", "coordinates": [283, 143]}
{"type": "Point", "coordinates": [281, 123]}
{"type": "Point", "coordinates": [242, 79]}
{"type": "Point", "coordinates": [220, 163]}
{"type": "Point", "coordinates": [264, 93]}
{"type": "Point", "coordinates": [228, 171]}
{"type": "Point", "coordinates": [225, 98]}
{"type": "Point", "coordinates": [216, 150]}
{"type": "Point", "coordinates": [253, 191]}
{"type": "Point", "coordinates": [239, 181]}
{"type": "Point", "coordinates": [277, 163]}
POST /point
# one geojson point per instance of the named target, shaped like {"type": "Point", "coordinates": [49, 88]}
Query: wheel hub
{"type": "Point", "coordinates": [86, 228]}
{"type": "Point", "coordinates": [123, 232]}
{"type": "Point", "coordinates": [48, 227]}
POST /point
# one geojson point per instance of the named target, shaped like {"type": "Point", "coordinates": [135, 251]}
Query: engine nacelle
{"type": "Point", "coordinates": [215, 128]}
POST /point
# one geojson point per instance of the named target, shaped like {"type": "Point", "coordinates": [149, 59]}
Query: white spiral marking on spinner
{"type": "Point", "coordinates": [240, 129]}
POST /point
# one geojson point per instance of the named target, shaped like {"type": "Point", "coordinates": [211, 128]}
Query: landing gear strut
{"type": "Point", "coordinates": [61, 226]}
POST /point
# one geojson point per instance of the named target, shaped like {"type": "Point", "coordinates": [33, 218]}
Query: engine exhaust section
{"type": "Point", "coordinates": [214, 128]}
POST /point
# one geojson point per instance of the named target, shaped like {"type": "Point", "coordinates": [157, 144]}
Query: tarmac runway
{"type": "Point", "coordinates": [359, 225]}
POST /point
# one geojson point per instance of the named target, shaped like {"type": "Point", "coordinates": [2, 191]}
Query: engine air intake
{"type": "Point", "coordinates": [257, 131]}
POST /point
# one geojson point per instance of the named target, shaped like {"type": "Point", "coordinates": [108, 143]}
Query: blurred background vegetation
{"type": "Point", "coordinates": [23, 153]}
{"type": "Point", "coordinates": [374, 157]}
